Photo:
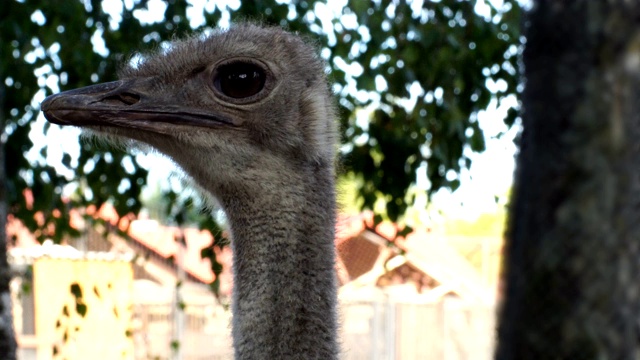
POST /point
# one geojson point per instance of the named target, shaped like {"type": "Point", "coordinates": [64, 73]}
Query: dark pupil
{"type": "Point", "coordinates": [240, 80]}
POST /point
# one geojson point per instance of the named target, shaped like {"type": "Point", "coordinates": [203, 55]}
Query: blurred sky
{"type": "Point", "coordinates": [489, 178]}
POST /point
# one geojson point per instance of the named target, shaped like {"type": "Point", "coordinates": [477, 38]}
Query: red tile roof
{"type": "Point", "coordinates": [357, 253]}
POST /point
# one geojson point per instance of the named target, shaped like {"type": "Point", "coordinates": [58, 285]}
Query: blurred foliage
{"type": "Point", "coordinates": [425, 69]}
{"type": "Point", "coordinates": [443, 52]}
{"type": "Point", "coordinates": [489, 224]}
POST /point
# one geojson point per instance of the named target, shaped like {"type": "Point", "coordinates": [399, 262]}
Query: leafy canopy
{"type": "Point", "coordinates": [410, 78]}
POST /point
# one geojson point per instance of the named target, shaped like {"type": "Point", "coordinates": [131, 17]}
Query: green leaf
{"type": "Point", "coordinates": [175, 345]}
{"type": "Point", "coordinates": [76, 290]}
{"type": "Point", "coordinates": [406, 230]}
{"type": "Point", "coordinates": [81, 309]}
{"type": "Point", "coordinates": [66, 160]}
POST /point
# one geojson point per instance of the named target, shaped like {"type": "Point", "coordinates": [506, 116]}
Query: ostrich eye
{"type": "Point", "coordinates": [239, 80]}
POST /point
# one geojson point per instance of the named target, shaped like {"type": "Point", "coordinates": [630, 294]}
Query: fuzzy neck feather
{"type": "Point", "coordinates": [284, 301]}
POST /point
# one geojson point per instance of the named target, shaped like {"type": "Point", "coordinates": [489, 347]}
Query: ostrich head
{"type": "Point", "coordinates": [224, 106]}
{"type": "Point", "coordinates": [247, 113]}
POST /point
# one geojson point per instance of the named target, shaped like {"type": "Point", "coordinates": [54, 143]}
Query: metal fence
{"type": "Point", "coordinates": [205, 332]}
{"type": "Point", "coordinates": [445, 330]}
{"type": "Point", "coordinates": [371, 330]}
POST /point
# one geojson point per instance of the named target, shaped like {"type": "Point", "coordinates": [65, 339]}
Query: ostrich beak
{"type": "Point", "coordinates": [126, 104]}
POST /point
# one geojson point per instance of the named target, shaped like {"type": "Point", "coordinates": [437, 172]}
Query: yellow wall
{"type": "Point", "coordinates": [106, 290]}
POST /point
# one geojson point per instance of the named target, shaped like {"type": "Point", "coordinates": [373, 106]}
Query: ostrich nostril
{"type": "Point", "coordinates": [125, 98]}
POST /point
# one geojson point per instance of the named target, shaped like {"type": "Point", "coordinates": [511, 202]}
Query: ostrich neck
{"type": "Point", "coordinates": [284, 301]}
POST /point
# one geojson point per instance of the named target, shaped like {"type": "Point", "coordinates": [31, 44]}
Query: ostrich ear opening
{"type": "Point", "coordinates": [321, 135]}
{"type": "Point", "coordinates": [126, 104]}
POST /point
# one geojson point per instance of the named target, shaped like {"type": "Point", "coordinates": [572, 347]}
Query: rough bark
{"type": "Point", "coordinates": [7, 336]}
{"type": "Point", "coordinates": [573, 251]}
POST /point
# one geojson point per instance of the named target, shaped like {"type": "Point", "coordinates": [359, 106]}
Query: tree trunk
{"type": "Point", "coordinates": [573, 252]}
{"type": "Point", "coordinates": [7, 335]}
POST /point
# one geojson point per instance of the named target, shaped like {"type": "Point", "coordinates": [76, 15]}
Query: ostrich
{"type": "Point", "coordinates": [246, 113]}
